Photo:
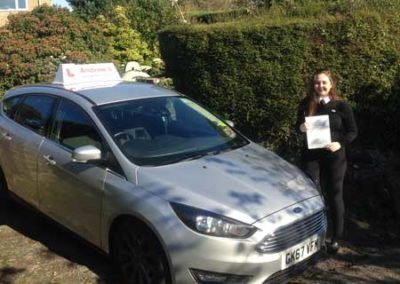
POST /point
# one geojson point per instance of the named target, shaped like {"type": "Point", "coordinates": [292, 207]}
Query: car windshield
{"type": "Point", "coordinates": [165, 130]}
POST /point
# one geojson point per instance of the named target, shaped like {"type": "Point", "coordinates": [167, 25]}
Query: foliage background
{"type": "Point", "coordinates": [252, 68]}
{"type": "Point", "coordinates": [255, 71]}
{"type": "Point", "coordinates": [33, 44]}
{"type": "Point", "coordinates": [146, 17]}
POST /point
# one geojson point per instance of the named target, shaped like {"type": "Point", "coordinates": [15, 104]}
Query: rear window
{"type": "Point", "coordinates": [10, 106]}
{"type": "Point", "coordinates": [34, 112]}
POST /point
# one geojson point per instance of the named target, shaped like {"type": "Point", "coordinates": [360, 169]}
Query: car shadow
{"type": "Point", "coordinates": [57, 241]}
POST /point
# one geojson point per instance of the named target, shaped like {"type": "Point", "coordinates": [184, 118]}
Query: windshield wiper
{"type": "Point", "coordinates": [193, 156]}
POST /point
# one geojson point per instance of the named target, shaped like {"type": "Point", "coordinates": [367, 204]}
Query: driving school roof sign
{"type": "Point", "coordinates": [87, 75]}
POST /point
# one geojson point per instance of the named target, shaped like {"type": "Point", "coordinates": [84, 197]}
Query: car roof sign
{"type": "Point", "coordinates": [78, 76]}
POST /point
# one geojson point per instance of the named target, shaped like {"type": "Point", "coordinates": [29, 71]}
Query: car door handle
{"type": "Point", "coordinates": [49, 160]}
{"type": "Point", "coordinates": [6, 136]}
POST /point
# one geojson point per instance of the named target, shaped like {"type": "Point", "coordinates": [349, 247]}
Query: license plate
{"type": "Point", "coordinates": [300, 252]}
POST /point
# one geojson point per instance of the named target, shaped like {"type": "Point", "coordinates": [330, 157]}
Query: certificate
{"type": "Point", "coordinates": [319, 132]}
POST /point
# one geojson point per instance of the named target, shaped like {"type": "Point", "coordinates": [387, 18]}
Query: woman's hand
{"type": "Point", "coordinates": [333, 147]}
{"type": "Point", "coordinates": [304, 127]}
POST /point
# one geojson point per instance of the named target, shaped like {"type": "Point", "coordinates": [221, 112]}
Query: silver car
{"type": "Point", "coordinates": [172, 192]}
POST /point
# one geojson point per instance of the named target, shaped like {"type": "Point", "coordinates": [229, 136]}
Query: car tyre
{"type": "Point", "coordinates": [138, 255]}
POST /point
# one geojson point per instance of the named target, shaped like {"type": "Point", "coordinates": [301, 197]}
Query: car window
{"type": "Point", "coordinates": [73, 128]}
{"type": "Point", "coordinates": [34, 112]}
{"type": "Point", "coordinates": [10, 106]}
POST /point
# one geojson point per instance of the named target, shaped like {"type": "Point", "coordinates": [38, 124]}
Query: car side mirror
{"type": "Point", "coordinates": [230, 123]}
{"type": "Point", "coordinates": [86, 153]}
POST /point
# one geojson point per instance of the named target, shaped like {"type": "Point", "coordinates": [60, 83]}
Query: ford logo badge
{"type": "Point", "coordinates": [297, 210]}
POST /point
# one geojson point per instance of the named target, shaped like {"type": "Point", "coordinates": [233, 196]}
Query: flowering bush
{"type": "Point", "coordinates": [32, 45]}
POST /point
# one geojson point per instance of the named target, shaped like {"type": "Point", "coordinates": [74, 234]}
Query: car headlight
{"type": "Point", "coordinates": [210, 223]}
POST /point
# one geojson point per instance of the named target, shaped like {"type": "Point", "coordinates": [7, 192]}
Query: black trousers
{"type": "Point", "coordinates": [327, 170]}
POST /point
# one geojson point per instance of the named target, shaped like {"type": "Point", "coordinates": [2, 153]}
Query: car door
{"type": "Point", "coordinates": [70, 192]}
{"type": "Point", "coordinates": [22, 133]}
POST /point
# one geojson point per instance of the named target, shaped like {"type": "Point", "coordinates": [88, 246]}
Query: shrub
{"type": "Point", "coordinates": [126, 44]}
{"type": "Point", "coordinates": [148, 17]}
{"type": "Point", "coordinates": [33, 44]}
{"type": "Point", "coordinates": [91, 9]}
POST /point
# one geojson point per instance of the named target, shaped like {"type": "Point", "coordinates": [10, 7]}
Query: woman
{"type": "Point", "coordinates": [328, 163]}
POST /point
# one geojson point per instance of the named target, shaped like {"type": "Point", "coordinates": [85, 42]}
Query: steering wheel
{"type": "Point", "coordinates": [123, 137]}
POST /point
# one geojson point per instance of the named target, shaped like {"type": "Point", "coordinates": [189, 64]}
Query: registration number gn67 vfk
{"type": "Point", "coordinates": [300, 252]}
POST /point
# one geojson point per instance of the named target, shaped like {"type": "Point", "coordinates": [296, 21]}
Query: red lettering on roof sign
{"type": "Point", "coordinates": [93, 70]}
{"type": "Point", "coordinates": [69, 73]}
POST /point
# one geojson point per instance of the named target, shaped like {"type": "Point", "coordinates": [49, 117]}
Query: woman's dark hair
{"type": "Point", "coordinates": [313, 97]}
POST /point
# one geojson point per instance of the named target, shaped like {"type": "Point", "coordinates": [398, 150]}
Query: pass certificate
{"type": "Point", "coordinates": [319, 133]}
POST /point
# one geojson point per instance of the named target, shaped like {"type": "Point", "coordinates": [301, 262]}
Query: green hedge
{"type": "Point", "coordinates": [255, 72]}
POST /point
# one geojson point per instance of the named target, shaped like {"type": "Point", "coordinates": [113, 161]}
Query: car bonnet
{"type": "Point", "coordinates": [246, 184]}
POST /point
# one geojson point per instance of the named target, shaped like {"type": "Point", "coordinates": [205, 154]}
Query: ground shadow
{"type": "Point", "coordinates": [7, 273]}
{"type": "Point", "coordinates": [57, 241]}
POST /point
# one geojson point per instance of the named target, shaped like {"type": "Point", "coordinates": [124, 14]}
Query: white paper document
{"type": "Point", "coordinates": [319, 133]}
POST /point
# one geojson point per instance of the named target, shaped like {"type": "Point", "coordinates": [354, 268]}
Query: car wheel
{"type": "Point", "coordinates": [139, 256]}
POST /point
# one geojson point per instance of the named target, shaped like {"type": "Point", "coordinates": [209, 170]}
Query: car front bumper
{"type": "Point", "coordinates": [194, 256]}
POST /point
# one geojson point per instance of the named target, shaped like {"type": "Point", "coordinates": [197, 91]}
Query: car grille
{"type": "Point", "coordinates": [292, 234]}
